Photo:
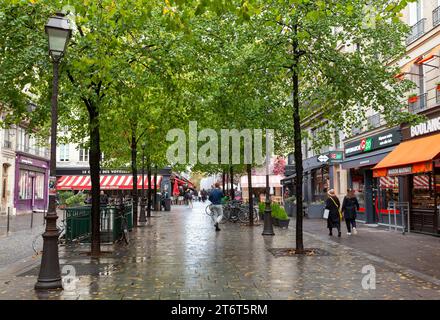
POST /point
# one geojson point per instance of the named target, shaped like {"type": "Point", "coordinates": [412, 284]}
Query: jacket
{"type": "Point", "coordinates": [350, 207]}
{"type": "Point", "coordinates": [216, 196]}
{"type": "Point", "coordinates": [333, 217]}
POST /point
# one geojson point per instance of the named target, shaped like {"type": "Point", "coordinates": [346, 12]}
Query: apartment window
{"type": "Point", "coordinates": [415, 12]}
{"type": "Point", "coordinates": [83, 154]}
{"type": "Point", "coordinates": [23, 140]}
{"type": "Point", "coordinates": [64, 152]}
{"type": "Point", "coordinates": [7, 142]}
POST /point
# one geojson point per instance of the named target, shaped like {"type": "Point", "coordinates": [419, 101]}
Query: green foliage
{"type": "Point", "coordinates": [64, 195]}
{"type": "Point", "coordinates": [76, 200]}
{"type": "Point", "coordinates": [278, 211]}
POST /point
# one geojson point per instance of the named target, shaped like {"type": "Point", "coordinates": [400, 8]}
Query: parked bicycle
{"type": "Point", "coordinates": [124, 225]}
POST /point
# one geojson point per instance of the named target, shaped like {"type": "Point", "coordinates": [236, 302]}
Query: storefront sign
{"type": "Point", "coordinates": [32, 162]}
{"type": "Point", "coordinates": [331, 157]}
{"type": "Point", "coordinates": [400, 171]}
{"type": "Point", "coordinates": [379, 141]}
{"type": "Point", "coordinates": [429, 126]}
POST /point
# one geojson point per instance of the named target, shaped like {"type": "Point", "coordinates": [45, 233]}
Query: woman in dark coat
{"type": "Point", "coordinates": [350, 207]}
{"type": "Point", "coordinates": [334, 220]}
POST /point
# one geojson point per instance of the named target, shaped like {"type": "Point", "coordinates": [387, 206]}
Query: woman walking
{"type": "Point", "coordinates": [350, 206]}
{"type": "Point", "coordinates": [332, 204]}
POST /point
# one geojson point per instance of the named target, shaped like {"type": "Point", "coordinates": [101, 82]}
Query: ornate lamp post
{"type": "Point", "coordinates": [268, 227]}
{"type": "Point", "coordinates": [59, 32]}
{"type": "Point", "coordinates": [142, 217]}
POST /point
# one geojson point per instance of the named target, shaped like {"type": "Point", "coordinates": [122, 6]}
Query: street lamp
{"type": "Point", "coordinates": [142, 217]}
{"type": "Point", "coordinates": [59, 32]}
{"type": "Point", "coordinates": [268, 227]}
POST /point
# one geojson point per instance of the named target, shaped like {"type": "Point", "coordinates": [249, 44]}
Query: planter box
{"type": "Point", "coordinates": [290, 208]}
{"type": "Point", "coordinates": [413, 99]}
{"type": "Point", "coordinates": [275, 222]}
{"type": "Point", "coordinates": [283, 223]}
{"type": "Point", "coordinates": [315, 211]}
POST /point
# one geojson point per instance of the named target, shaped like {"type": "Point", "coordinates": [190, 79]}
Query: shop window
{"type": "Point", "coordinates": [388, 192]}
{"type": "Point", "coordinates": [39, 186]}
{"type": "Point", "coordinates": [320, 183]}
{"type": "Point", "coordinates": [358, 185]}
{"type": "Point", "coordinates": [422, 195]}
{"type": "Point", "coordinates": [25, 185]}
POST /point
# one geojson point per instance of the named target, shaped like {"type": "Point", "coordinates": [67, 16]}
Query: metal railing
{"type": "Point", "coordinates": [7, 144]}
{"type": "Point", "coordinates": [419, 105]}
{"type": "Point", "coordinates": [436, 17]}
{"type": "Point", "coordinates": [437, 96]}
{"type": "Point", "coordinates": [398, 217]}
{"type": "Point", "coordinates": [417, 30]}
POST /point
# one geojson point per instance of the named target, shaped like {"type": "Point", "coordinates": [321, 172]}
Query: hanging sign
{"type": "Point", "coordinates": [52, 186]}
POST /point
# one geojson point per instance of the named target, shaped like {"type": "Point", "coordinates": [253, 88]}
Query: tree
{"type": "Point", "coordinates": [305, 38]}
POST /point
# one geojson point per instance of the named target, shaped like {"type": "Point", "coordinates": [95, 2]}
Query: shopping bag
{"type": "Point", "coordinates": [326, 213]}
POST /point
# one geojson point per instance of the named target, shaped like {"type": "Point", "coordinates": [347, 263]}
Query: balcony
{"type": "Point", "coordinates": [375, 121]}
{"type": "Point", "coordinates": [419, 105]}
{"type": "Point", "coordinates": [355, 131]}
{"type": "Point", "coordinates": [436, 17]}
{"type": "Point", "coordinates": [416, 32]}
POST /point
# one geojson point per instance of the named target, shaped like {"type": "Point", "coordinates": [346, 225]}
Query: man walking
{"type": "Point", "coordinates": [215, 197]}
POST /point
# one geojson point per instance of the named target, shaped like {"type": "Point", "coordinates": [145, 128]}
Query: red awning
{"type": "Point", "coordinates": [107, 182]}
{"type": "Point", "coordinates": [184, 182]}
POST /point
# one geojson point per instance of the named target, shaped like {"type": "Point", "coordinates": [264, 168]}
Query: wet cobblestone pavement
{"type": "Point", "coordinates": [180, 256]}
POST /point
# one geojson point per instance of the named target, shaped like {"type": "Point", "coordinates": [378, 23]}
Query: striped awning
{"type": "Point", "coordinates": [107, 182]}
{"type": "Point", "coordinates": [421, 182]}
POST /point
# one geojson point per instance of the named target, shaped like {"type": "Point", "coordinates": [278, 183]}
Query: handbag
{"type": "Point", "coordinates": [340, 213]}
{"type": "Point", "coordinates": [326, 213]}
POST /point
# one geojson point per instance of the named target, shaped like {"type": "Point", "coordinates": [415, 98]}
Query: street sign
{"type": "Point", "coordinates": [323, 158]}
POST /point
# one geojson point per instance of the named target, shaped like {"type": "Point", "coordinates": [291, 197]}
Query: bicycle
{"type": "Point", "coordinates": [210, 213]}
{"type": "Point", "coordinates": [124, 226]}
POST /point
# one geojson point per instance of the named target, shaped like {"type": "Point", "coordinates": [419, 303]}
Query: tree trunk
{"type": "Point", "coordinates": [251, 200]}
{"type": "Point", "coordinates": [297, 145]}
{"type": "Point", "coordinates": [94, 162]}
{"type": "Point", "coordinates": [155, 188]}
{"type": "Point", "coordinates": [231, 173]}
{"type": "Point", "coordinates": [149, 187]}
{"type": "Point", "coordinates": [223, 181]}
{"type": "Point", "coordinates": [135, 176]}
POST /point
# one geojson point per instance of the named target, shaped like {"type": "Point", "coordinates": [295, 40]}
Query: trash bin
{"type": "Point", "coordinates": [157, 202]}
{"type": "Point", "coordinates": [168, 204]}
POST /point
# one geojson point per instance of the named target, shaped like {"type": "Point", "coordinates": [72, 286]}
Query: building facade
{"type": "Point", "coordinates": [25, 171]}
{"type": "Point", "coordinates": [368, 151]}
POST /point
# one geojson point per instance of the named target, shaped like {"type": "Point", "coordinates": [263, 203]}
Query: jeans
{"type": "Point", "coordinates": [217, 210]}
{"type": "Point", "coordinates": [350, 223]}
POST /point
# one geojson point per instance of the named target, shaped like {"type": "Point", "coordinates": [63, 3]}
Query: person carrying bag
{"type": "Point", "coordinates": [333, 213]}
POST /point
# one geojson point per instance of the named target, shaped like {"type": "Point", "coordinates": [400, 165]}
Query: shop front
{"type": "Point", "coordinates": [360, 158]}
{"type": "Point", "coordinates": [415, 166]}
{"type": "Point", "coordinates": [317, 180]}
{"type": "Point", "coordinates": [31, 183]}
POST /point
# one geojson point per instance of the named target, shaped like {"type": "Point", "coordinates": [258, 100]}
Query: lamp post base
{"type": "Point", "coordinates": [268, 226]}
{"type": "Point", "coordinates": [50, 275]}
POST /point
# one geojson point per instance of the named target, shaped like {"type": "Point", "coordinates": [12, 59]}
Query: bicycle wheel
{"type": "Point", "coordinates": [208, 210]}
{"type": "Point", "coordinates": [243, 215]}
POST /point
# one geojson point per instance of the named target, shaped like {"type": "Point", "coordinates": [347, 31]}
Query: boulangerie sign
{"type": "Point", "coordinates": [429, 126]}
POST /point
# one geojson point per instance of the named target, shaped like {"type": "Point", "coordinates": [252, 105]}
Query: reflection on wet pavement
{"type": "Point", "coordinates": [180, 256]}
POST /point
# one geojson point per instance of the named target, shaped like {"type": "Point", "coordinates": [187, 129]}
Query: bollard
{"type": "Point", "coordinates": [7, 223]}
{"type": "Point", "coordinates": [32, 218]}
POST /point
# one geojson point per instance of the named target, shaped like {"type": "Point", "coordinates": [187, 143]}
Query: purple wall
{"type": "Point", "coordinates": [30, 162]}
